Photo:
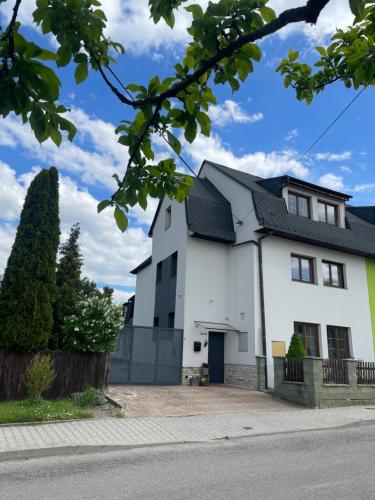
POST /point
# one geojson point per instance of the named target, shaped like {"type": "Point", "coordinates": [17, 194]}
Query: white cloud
{"type": "Point", "coordinates": [362, 188]}
{"type": "Point", "coordinates": [145, 216]}
{"type": "Point", "coordinates": [332, 181]}
{"type": "Point", "coordinates": [335, 15]}
{"type": "Point", "coordinates": [11, 193]}
{"type": "Point", "coordinates": [257, 163]}
{"type": "Point", "coordinates": [129, 23]}
{"type": "Point", "coordinates": [121, 296]}
{"type": "Point", "coordinates": [231, 112]}
{"type": "Point", "coordinates": [292, 134]}
{"type": "Point", "coordinates": [345, 155]}
{"type": "Point", "coordinates": [7, 235]}
{"type": "Point", "coordinates": [109, 255]}
{"type": "Point", "coordinates": [346, 169]}
{"type": "Point", "coordinates": [94, 156]}
{"type": "Point", "coordinates": [95, 167]}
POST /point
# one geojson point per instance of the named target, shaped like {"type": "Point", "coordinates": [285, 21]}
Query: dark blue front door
{"type": "Point", "coordinates": [216, 357]}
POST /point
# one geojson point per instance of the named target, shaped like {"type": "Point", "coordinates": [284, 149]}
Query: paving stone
{"type": "Point", "coordinates": [160, 430]}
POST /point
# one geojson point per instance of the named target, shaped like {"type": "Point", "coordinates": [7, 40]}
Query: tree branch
{"type": "Point", "coordinates": [309, 13]}
{"type": "Point", "coordinates": [138, 144]}
{"type": "Point", "coordinates": [8, 34]}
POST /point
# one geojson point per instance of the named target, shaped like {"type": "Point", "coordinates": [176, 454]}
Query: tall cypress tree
{"type": "Point", "coordinates": [68, 283]}
{"type": "Point", "coordinates": [28, 287]}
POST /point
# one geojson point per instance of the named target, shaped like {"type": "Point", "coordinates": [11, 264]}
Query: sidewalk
{"type": "Point", "coordinates": [111, 433]}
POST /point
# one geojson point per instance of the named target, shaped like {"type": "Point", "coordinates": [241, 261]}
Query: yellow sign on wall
{"type": "Point", "coordinates": [278, 348]}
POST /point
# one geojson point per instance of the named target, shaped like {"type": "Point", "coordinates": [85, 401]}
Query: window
{"type": "Point", "coordinates": [171, 320]}
{"type": "Point", "coordinates": [328, 213]}
{"type": "Point", "coordinates": [333, 274]}
{"type": "Point", "coordinates": [174, 265]}
{"type": "Point", "coordinates": [338, 342]}
{"type": "Point", "coordinates": [302, 269]}
{"type": "Point", "coordinates": [168, 217]}
{"type": "Point", "coordinates": [309, 334]}
{"type": "Point", "coordinates": [299, 205]}
{"type": "Point", "coordinates": [156, 321]}
{"type": "Point", "coordinates": [159, 272]}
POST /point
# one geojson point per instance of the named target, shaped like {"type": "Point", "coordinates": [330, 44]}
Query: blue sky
{"type": "Point", "coordinates": [261, 129]}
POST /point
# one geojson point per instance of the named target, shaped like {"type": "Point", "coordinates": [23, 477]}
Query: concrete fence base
{"type": "Point", "coordinates": [312, 392]}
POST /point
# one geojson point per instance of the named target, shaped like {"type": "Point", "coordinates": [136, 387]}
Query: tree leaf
{"type": "Point", "coordinates": [81, 72]}
{"type": "Point", "coordinates": [103, 204]}
{"type": "Point", "coordinates": [121, 219]}
{"type": "Point", "coordinates": [268, 14]}
{"type": "Point", "coordinates": [174, 142]}
{"type": "Point", "coordinates": [357, 7]}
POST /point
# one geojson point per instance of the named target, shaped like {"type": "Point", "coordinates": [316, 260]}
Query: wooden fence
{"type": "Point", "coordinates": [334, 371]}
{"type": "Point", "coordinates": [365, 372]}
{"type": "Point", "coordinates": [293, 369]}
{"type": "Point", "coordinates": [74, 372]}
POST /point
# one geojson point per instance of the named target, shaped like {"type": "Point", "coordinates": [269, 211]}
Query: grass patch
{"type": "Point", "coordinates": [26, 411]}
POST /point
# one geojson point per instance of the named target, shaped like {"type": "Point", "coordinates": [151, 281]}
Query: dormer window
{"type": "Point", "coordinates": [168, 217]}
{"type": "Point", "coordinates": [328, 213]}
{"type": "Point", "coordinates": [299, 204]}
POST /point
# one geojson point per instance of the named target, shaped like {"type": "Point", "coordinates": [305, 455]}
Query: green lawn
{"type": "Point", "coordinates": [25, 411]}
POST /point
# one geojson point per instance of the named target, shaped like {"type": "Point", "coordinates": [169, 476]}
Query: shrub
{"type": "Point", "coordinates": [40, 374]}
{"type": "Point", "coordinates": [296, 348]}
{"type": "Point", "coordinates": [94, 326]}
{"type": "Point", "coordinates": [89, 397]}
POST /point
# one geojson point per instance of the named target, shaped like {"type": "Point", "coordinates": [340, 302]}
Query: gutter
{"type": "Point", "coordinates": [258, 243]}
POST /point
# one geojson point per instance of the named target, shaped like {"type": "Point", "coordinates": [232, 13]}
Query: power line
{"type": "Point", "coordinates": [313, 143]}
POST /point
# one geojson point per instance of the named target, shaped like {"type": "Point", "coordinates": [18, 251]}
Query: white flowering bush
{"type": "Point", "coordinates": [94, 326]}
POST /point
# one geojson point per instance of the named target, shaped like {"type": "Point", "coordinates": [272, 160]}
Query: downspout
{"type": "Point", "coordinates": [262, 306]}
{"type": "Point", "coordinates": [258, 243]}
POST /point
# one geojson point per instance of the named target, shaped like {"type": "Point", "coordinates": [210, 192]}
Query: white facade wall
{"type": "Point", "coordinates": [222, 281]}
{"type": "Point", "coordinates": [164, 243]}
{"type": "Point", "coordinates": [206, 294]}
{"type": "Point", "coordinates": [287, 301]}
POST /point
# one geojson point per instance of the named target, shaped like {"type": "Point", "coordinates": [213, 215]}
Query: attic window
{"type": "Point", "coordinates": [168, 217]}
{"type": "Point", "coordinates": [328, 213]}
{"type": "Point", "coordinates": [299, 204]}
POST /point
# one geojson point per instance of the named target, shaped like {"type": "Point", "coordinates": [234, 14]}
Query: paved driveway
{"type": "Point", "coordinates": [155, 401]}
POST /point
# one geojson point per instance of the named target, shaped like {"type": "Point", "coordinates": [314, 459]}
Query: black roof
{"type": "Point", "coordinates": [366, 213]}
{"type": "Point", "coordinates": [276, 184]}
{"type": "Point", "coordinates": [208, 213]}
{"type": "Point", "coordinates": [358, 237]}
{"type": "Point", "coordinates": [142, 265]}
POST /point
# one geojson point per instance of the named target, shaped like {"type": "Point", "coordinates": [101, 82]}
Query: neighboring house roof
{"type": "Point", "coordinates": [366, 213]}
{"type": "Point", "coordinates": [208, 213]}
{"type": "Point", "coordinates": [272, 214]}
{"type": "Point", "coordinates": [142, 265]}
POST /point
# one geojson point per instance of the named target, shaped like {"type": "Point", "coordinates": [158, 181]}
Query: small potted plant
{"type": "Point", "coordinates": [204, 374]}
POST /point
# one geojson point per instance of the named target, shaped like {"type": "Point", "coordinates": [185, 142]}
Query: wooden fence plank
{"type": "Point", "coordinates": [74, 372]}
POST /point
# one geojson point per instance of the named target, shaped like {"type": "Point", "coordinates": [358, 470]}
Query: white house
{"type": "Point", "coordinates": [244, 262]}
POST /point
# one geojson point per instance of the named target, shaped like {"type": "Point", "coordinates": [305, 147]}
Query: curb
{"type": "Point", "coordinates": [113, 402]}
{"type": "Point", "coordinates": [62, 451]}
{"type": "Point", "coordinates": [72, 450]}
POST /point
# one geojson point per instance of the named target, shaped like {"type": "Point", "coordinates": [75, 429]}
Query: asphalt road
{"type": "Point", "coordinates": [330, 464]}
